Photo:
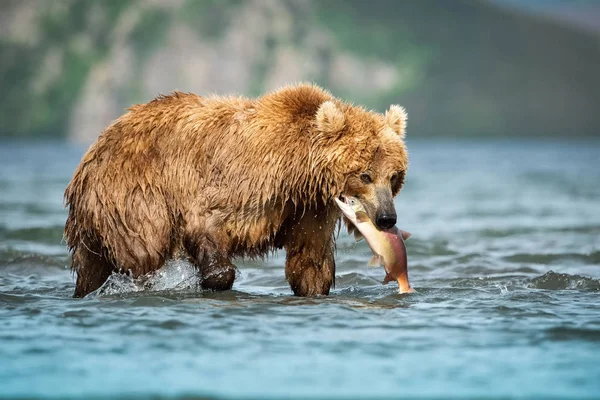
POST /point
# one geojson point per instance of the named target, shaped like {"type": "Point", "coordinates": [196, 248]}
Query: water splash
{"type": "Point", "coordinates": [555, 281]}
{"type": "Point", "coordinates": [178, 275]}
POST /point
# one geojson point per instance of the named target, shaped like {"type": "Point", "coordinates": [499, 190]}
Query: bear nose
{"type": "Point", "coordinates": [386, 221]}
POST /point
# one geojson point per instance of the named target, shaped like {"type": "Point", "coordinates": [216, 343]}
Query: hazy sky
{"type": "Point", "coordinates": [582, 13]}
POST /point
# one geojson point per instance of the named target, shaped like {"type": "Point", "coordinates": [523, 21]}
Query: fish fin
{"type": "Point", "coordinates": [375, 261]}
{"type": "Point", "coordinates": [405, 235]}
{"type": "Point", "coordinates": [358, 236]}
{"type": "Point", "coordinates": [387, 279]}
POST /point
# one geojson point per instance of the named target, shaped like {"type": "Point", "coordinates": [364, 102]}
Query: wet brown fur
{"type": "Point", "coordinates": [218, 177]}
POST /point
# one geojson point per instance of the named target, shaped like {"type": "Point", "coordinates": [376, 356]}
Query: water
{"type": "Point", "coordinates": [505, 256]}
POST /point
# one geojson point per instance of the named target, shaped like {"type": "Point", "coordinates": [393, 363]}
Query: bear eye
{"type": "Point", "coordinates": [366, 178]}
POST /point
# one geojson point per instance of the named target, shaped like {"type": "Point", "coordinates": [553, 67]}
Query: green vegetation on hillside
{"type": "Point", "coordinates": [479, 69]}
{"type": "Point", "coordinates": [33, 106]}
{"type": "Point", "coordinates": [465, 67]}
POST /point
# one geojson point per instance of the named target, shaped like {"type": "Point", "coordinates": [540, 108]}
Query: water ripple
{"type": "Point", "coordinates": [555, 281]}
{"type": "Point", "coordinates": [555, 258]}
{"type": "Point", "coordinates": [571, 333]}
{"type": "Point", "coordinates": [489, 316]}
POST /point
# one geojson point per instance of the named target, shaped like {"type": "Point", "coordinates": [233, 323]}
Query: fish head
{"type": "Point", "coordinates": [355, 204]}
{"type": "Point", "coordinates": [352, 209]}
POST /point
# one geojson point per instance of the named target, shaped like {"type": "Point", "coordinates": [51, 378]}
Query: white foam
{"type": "Point", "coordinates": [174, 275]}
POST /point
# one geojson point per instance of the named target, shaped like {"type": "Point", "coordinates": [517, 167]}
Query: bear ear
{"type": "Point", "coordinates": [396, 117]}
{"type": "Point", "coordinates": [330, 119]}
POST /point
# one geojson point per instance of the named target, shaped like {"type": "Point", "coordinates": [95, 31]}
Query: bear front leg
{"type": "Point", "coordinates": [310, 264]}
{"type": "Point", "coordinates": [310, 272]}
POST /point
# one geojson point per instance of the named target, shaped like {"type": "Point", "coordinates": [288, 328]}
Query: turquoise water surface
{"type": "Point", "coordinates": [505, 256]}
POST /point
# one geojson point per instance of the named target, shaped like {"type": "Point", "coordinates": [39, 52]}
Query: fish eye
{"type": "Point", "coordinates": [366, 178]}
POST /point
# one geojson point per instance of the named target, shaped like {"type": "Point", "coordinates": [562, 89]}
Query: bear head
{"type": "Point", "coordinates": [366, 154]}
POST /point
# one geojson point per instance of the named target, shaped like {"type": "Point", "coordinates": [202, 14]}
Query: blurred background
{"type": "Point", "coordinates": [502, 201]}
{"type": "Point", "coordinates": [461, 68]}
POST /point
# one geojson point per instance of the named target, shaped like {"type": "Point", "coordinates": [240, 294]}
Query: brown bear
{"type": "Point", "coordinates": [211, 178]}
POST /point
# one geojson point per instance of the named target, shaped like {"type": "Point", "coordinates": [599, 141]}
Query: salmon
{"type": "Point", "coordinates": [387, 245]}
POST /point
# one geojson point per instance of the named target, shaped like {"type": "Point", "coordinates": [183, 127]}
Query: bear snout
{"type": "Point", "coordinates": [385, 220]}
